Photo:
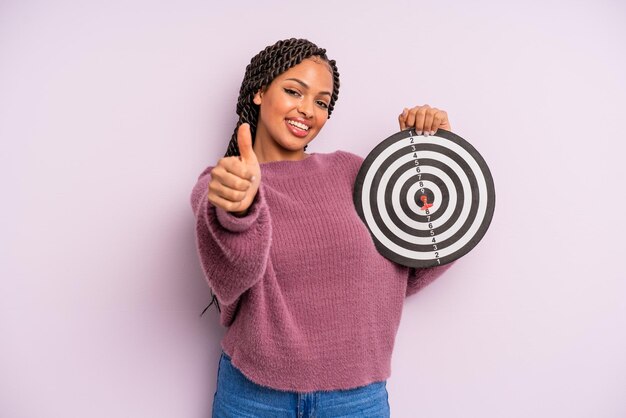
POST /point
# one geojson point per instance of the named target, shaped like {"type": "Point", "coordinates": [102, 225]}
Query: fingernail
{"type": "Point", "coordinates": [432, 132]}
{"type": "Point", "coordinates": [404, 112]}
{"type": "Point", "coordinates": [418, 132]}
{"type": "Point", "coordinates": [426, 133]}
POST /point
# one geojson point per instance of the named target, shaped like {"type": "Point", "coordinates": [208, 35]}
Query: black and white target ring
{"type": "Point", "coordinates": [426, 200]}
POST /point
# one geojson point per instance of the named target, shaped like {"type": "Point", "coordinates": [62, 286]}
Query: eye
{"type": "Point", "coordinates": [322, 104]}
{"type": "Point", "coordinates": [292, 92]}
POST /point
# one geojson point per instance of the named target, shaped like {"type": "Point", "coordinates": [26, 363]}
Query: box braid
{"type": "Point", "coordinates": [263, 68]}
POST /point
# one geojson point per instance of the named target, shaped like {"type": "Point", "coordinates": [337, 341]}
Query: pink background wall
{"type": "Point", "coordinates": [109, 112]}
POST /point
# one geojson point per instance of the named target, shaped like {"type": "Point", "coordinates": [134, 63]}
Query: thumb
{"type": "Point", "coordinates": [244, 142]}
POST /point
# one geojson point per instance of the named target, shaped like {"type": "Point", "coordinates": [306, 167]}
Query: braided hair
{"type": "Point", "coordinates": [262, 70]}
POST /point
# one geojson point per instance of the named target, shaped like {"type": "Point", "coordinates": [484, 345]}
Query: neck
{"type": "Point", "coordinates": [266, 155]}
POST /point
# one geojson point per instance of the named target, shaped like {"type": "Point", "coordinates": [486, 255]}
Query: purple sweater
{"type": "Point", "coordinates": [309, 302]}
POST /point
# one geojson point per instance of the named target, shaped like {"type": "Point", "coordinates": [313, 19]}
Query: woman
{"type": "Point", "coordinates": [312, 309]}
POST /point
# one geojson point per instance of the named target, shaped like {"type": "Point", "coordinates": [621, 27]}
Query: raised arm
{"type": "Point", "coordinates": [233, 226]}
{"type": "Point", "coordinates": [426, 120]}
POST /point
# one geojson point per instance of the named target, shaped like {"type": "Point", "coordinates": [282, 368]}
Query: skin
{"type": "Point", "coordinates": [300, 94]}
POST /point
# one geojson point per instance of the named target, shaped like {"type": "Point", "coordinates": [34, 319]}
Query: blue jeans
{"type": "Point", "coordinates": [237, 396]}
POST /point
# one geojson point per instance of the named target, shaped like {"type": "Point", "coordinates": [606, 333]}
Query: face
{"type": "Point", "coordinates": [293, 110]}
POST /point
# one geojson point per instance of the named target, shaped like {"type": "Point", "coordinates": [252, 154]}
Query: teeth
{"type": "Point", "coordinates": [298, 125]}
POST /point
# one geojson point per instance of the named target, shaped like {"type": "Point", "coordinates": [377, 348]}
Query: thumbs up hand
{"type": "Point", "coordinates": [235, 180]}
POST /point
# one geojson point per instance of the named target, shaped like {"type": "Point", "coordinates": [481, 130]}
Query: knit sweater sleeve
{"type": "Point", "coordinates": [417, 278]}
{"type": "Point", "coordinates": [420, 278]}
{"type": "Point", "coordinates": [233, 250]}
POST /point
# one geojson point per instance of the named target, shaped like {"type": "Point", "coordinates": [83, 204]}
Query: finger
{"type": "Point", "coordinates": [420, 115]}
{"type": "Point", "coordinates": [438, 118]}
{"type": "Point", "coordinates": [402, 119]}
{"type": "Point", "coordinates": [226, 193]}
{"type": "Point", "coordinates": [244, 141]}
{"type": "Point", "coordinates": [227, 205]}
{"type": "Point", "coordinates": [237, 167]}
{"type": "Point", "coordinates": [428, 121]}
{"type": "Point", "coordinates": [409, 121]}
{"type": "Point", "coordinates": [445, 121]}
{"type": "Point", "coordinates": [230, 180]}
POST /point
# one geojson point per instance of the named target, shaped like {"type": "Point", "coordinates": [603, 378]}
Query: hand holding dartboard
{"type": "Point", "coordinates": [427, 199]}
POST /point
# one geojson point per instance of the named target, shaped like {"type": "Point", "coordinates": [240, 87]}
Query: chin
{"type": "Point", "coordinates": [296, 145]}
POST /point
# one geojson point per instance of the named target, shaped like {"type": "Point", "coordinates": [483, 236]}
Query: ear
{"type": "Point", "coordinates": [257, 98]}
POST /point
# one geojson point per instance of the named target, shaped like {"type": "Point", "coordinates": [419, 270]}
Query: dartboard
{"type": "Point", "coordinates": [426, 200]}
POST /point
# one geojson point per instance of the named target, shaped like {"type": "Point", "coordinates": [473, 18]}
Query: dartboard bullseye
{"type": "Point", "coordinates": [426, 200]}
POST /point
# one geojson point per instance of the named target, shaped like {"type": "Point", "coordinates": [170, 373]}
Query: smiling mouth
{"type": "Point", "coordinates": [298, 125]}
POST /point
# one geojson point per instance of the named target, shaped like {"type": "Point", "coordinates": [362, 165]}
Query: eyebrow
{"type": "Point", "coordinates": [306, 86]}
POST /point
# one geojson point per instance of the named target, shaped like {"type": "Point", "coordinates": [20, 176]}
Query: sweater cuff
{"type": "Point", "coordinates": [239, 224]}
{"type": "Point", "coordinates": [420, 278]}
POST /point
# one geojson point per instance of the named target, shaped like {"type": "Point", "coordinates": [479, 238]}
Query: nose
{"type": "Point", "coordinates": [305, 108]}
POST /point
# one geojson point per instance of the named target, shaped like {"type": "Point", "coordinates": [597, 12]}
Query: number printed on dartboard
{"type": "Point", "coordinates": [423, 198]}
